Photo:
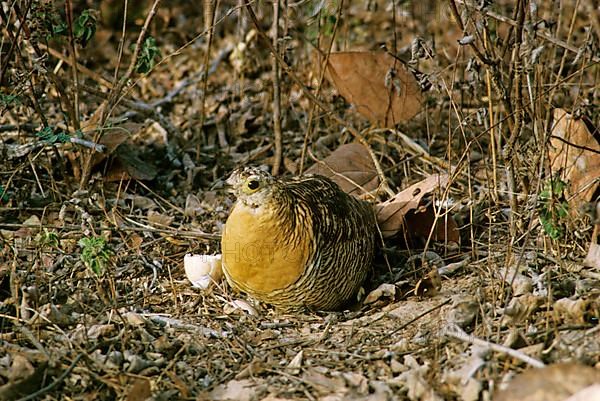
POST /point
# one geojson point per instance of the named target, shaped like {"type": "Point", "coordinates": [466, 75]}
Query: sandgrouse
{"type": "Point", "coordinates": [296, 242]}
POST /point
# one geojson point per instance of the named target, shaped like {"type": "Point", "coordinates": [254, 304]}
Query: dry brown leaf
{"type": "Point", "coordinates": [392, 214]}
{"type": "Point", "coordinates": [242, 390]}
{"type": "Point", "coordinates": [321, 383]}
{"type": "Point", "coordinates": [464, 310]}
{"type": "Point", "coordinates": [159, 219]}
{"type": "Point", "coordinates": [420, 221]}
{"type": "Point", "coordinates": [139, 390]}
{"type": "Point", "coordinates": [380, 86]}
{"type": "Point", "coordinates": [25, 379]}
{"type": "Point", "coordinates": [575, 152]}
{"type": "Point", "coordinates": [521, 308]}
{"type": "Point", "coordinates": [572, 310]}
{"type": "Point", "coordinates": [351, 167]}
{"type": "Point", "coordinates": [179, 384]}
{"type": "Point", "coordinates": [552, 383]}
{"type": "Point", "coordinates": [92, 122]}
{"type": "Point", "coordinates": [134, 241]}
{"type": "Point", "coordinates": [429, 285]}
{"type": "Point", "coordinates": [127, 164]}
{"type": "Point", "coordinates": [385, 290]}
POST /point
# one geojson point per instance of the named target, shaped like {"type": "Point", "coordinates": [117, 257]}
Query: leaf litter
{"type": "Point", "coordinates": [140, 330]}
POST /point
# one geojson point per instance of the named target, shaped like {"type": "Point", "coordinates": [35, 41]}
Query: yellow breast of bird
{"type": "Point", "coordinates": [259, 254]}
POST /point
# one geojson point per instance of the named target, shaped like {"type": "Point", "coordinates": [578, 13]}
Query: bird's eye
{"type": "Point", "coordinates": [253, 184]}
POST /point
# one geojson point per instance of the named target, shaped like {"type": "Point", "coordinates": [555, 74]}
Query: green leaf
{"type": "Point", "coordinates": [147, 56]}
{"type": "Point", "coordinates": [3, 195]}
{"type": "Point", "coordinates": [59, 29]}
{"type": "Point", "coordinates": [53, 135]}
{"type": "Point", "coordinates": [85, 27]}
{"type": "Point", "coordinates": [7, 100]}
{"type": "Point", "coordinates": [49, 239]}
{"type": "Point", "coordinates": [553, 208]}
{"type": "Point", "coordinates": [95, 253]}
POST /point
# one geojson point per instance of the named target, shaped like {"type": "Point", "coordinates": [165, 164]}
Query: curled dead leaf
{"type": "Point", "coordinates": [381, 87]}
{"type": "Point", "coordinates": [521, 308]}
{"type": "Point", "coordinates": [385, 290]}
{"type": "Point", "coordinates": [24, 379]}
{"type": "Point", "coordinates": [392, 215]}
{"type": "Point", "coordinates": [572, 310]}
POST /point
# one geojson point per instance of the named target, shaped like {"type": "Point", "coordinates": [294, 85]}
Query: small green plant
{"type": "Point", "coordinates": [8, 100]}
{"type": "Point", "coordinates": [553, 208]}
{"type": "Point", "coordinates": [45, 21]}
{"type": "Point", "coordinates": [3, 195]}
{"type": "Point", "coordinates": [95, 253]}
{"type": "Point", "coordinates": [85, 27]}
{"type": "Point", "coordinates": [148, 55]}
{"type": "Point", "coordinates": [48, 239]}
{"type": "Point", "coordinates": [53, 135]}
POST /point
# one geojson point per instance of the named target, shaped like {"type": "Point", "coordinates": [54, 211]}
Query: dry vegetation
{"type": "Point", "coordinates": [94, 303]}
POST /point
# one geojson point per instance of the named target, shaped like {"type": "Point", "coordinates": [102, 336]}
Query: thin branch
{"type": "Point", "coordinates": [69, 14]}
{"type": "Point", "coordinates": [276, 93]}
{"type": "Point", "coordinates": [456, 332]}
{"type": "Point", "coordinates": [121, 41]}
{"type": "Point", "coordinates": [538, 33]}
{"type": "Point", "coordinates": [210, 11]}
{"type": "Point", "coordinates": [480, 56]}
{"type": "Point", "coordinates": [14, 39]}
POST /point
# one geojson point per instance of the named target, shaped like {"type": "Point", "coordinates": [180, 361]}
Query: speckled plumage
{"type": "Point", "coordinates": [297, 242]}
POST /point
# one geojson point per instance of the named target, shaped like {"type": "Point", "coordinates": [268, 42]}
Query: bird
{"type": "Point", "coordinates": [296, 242]}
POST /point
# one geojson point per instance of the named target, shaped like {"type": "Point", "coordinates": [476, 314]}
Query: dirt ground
{"type": "Point", "coordinates": [94, 300]}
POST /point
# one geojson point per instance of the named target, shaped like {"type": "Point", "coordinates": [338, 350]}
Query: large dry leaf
{"type": "Point", "coordinates": [380, 86]}
{"type": "Point", "coordinates": [575, 152]}
{"type": "Point", "coordinates": [552, 383]}
{"type": "Point", "coordinates": [392, 214]}
{"type": "Point", "coordinates": [351, 167]}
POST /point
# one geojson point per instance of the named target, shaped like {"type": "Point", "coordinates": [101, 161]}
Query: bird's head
{"type": "Point", "coordinates": [251, 185]}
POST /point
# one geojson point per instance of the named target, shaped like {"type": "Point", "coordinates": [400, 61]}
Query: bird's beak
{"type": "Point", "coordinates": [219, 184]}
{"type": "Point", "coordinates": [222, 184]}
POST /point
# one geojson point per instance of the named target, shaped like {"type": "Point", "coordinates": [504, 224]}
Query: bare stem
{"type": "Point", "coordinates": [276, 93]}
{"type": "Point", "coordinates": [69, 13]}
{"type": "Point", "coordinates": [210, 10]}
